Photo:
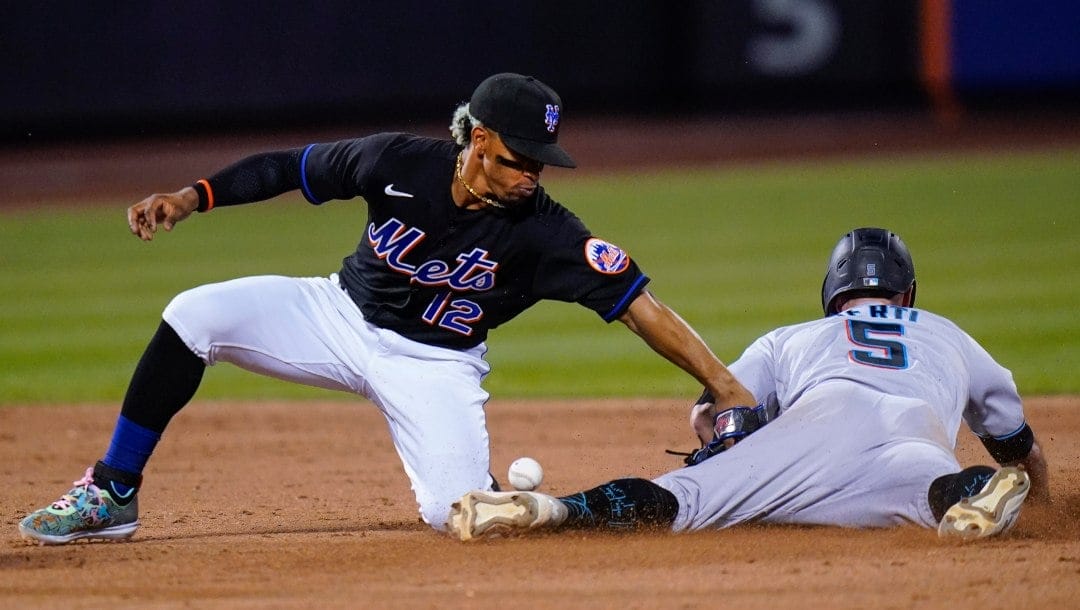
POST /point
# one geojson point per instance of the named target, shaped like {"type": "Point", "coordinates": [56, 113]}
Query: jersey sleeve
{"type": "Point", "coordinates": [756, 368]}
{"type": "Point", "coordinates": [340, 170]}
{"type": "Point", "coordinates": [580, 268]}
{"type": "Point", "coordinates": [994, 408]}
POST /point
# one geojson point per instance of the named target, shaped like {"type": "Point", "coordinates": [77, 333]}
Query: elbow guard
{"type": "Point", "coordinates": [1011, 448]}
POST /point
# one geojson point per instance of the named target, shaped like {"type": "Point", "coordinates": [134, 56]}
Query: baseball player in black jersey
{"type": "Point", "coordinates": [460, 237]}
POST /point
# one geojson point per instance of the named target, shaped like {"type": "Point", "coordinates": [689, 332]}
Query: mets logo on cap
{"type": "Point", "coordinates": [551, 117]}
{"type": "Point", "coordinates": [606, 257]}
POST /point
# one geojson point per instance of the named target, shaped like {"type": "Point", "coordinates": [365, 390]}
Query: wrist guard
{"type": "Point", "coordinates": [1011, 448]}
{"type": "Point", "coordinates": [731, 424]}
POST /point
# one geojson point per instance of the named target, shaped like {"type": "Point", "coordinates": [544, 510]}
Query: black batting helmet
{"type": "Point", "coordinates": [868, 260]}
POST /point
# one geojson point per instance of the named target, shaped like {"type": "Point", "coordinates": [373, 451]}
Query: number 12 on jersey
{"type": "Point", "coordinates": [452, 314]}
{"type": "Point", "coordinates": [883, 352]}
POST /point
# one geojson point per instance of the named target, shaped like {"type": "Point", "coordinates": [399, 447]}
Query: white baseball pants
{"type": "Point", "coordinates": [309, 331]}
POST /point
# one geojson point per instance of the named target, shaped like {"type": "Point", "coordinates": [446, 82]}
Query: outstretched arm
{"type": "Point", "coordinates": [254, 178]}
{"type": "Point", "coordinates": [671, 337]}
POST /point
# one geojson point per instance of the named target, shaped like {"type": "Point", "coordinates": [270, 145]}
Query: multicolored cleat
{"type": "Point", "coordinates": [992, 511]}
{"type": "Point", "coordinates": [86, 511]}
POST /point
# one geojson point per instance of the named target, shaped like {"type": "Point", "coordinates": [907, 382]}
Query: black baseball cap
{"type": "Point", "coordinates": [525, 113]}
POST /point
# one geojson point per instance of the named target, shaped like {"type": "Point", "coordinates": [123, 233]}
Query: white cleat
{"type": "Point", "coordinates": [489, 513]}
{"type": "Point", "coordinates": [992, 511]}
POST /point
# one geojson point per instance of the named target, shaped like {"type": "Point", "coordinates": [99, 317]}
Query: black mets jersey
{"type": "Point", "coordinates": [442, 275]}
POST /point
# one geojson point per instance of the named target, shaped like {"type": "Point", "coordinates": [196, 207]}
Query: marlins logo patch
{"type": "Point", "coordinates": [605, 257]}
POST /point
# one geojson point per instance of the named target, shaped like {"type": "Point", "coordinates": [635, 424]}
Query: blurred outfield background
{"type": "Point", "coordinates": [736, 251]}
{"type": "Point", "coordinates": [736, 248]}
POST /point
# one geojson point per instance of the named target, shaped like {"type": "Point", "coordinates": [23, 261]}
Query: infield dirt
{"type": "Point", "coordinates": [304, 505]}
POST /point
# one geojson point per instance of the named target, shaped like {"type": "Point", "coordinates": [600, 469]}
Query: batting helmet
{"type": "Point", "coordinates": [868, 260]}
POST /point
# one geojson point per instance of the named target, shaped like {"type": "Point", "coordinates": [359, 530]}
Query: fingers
{"type": "Point", "coordinates": [143, 216]}
{"type": "Point", "coordinates": [138, 223]}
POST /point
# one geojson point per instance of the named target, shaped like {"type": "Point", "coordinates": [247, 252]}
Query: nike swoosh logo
{"type": "Point", "coordinates": [389, 190]}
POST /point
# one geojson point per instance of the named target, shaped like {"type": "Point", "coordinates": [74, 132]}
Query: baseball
{"type": "Point", "coordinates": [525, 474]}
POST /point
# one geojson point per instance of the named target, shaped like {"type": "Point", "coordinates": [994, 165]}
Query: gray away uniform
{"type": "Point", "coordinates": [870, 404]}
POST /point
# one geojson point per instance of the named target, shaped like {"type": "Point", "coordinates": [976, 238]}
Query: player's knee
{"type": "Point", "coordinates": [435, 513]}
{"type": "Point", "coordinates": [435, 507]}
{"type": "Point", "coordinates": [206, 314]}
{"type": "Point", "coordinates": [186, 307]}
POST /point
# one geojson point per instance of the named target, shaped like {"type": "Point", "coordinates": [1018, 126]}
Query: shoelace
{"type": "Point", "coordinates": [67, 500]}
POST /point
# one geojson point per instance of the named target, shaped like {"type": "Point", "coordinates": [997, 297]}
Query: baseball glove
{"type": "Point", "coordinates": [729, 427]}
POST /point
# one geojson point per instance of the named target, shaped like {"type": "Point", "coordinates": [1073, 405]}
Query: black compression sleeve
{"type": "Point", "coordinates": [166, 378]}
{"type": "Point", "coordinates": [622, 504]}
{"type": "Point", "coordinates": [1011, 449]}
{"type": "Point", "coordinates": [253, 178]}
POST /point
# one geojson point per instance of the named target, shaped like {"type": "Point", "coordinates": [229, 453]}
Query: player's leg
{"type": "Point", "coordinates": [265, 324]}
{"type": "Point", "coordinates": [434, 406]}
{"type": "Point", "coordinates": [780, 473]}
{"type": "Point", "coordinates": [309, 331]}
{"type": "Point", "coordinates": [773, 473]}
{"type": "Point", "coordinates": [304, 330]}
{"type": "Point", "coordinates": [623, 504]}
{"type": "Point", "coordinates": [737, 485]}
{"type": "Point", "coordinates": [949, 489]}
{"type": "Point", "coordinates": [824, 462]}
{"type": "Point", "coordinates": [885, 482]}
{"type": "Point", "coordinates": [104, 503]}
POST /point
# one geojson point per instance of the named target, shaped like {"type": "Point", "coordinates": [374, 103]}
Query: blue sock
{"type": "Point", "coordinates": [129, 451]}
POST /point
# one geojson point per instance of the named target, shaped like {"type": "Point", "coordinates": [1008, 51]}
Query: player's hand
{"type": "Point", "coordinates": [1036, 467]}
{"type": "Point", "coordinates": [702, 418]}
{"type": "Point", "coordinates": [161, 209]}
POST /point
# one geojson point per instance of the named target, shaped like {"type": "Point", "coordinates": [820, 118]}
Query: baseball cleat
{"type": "Point", "coordinates": [992, 511]}
{"type": "Point", "coordinates": [486, 513]}
{"type": "Point", "coordinates": [86, 511]}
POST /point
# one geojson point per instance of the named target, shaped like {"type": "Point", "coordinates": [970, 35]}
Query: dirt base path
{"type": "Point", "coordinates": [305, 505]}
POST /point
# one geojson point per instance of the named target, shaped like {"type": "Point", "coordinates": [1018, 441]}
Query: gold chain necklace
{"type": "Point", "coordinates": [461, 179]}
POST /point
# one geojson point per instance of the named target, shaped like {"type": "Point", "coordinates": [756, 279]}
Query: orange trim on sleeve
{"type": "Point", "coordinates": [209, 195]}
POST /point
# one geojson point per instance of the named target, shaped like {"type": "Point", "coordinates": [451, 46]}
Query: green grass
{"type": "Point", "coordinates": [736, 251]}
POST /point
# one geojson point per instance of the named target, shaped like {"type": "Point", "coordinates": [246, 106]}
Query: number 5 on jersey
{"type": "Point", "coordinates": [882, 352]}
